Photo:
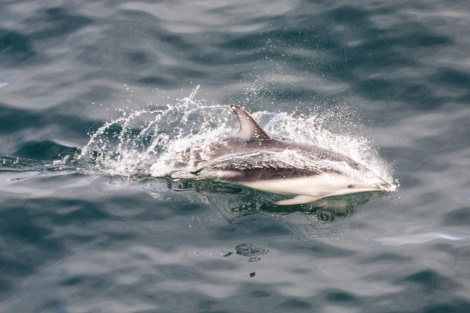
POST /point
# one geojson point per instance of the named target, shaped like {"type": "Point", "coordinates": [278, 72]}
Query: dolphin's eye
{"type": "Point", "coordinates": [350, 186]}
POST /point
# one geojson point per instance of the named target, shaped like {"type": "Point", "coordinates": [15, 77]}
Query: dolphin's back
{"type": "Point", "coordinates": [234, 146]}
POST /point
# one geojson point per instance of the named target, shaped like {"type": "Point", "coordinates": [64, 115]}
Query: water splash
{"type": "Point", "coordinates": [134, 141]}
{"type": "Point", "coordinates": [150, 140]}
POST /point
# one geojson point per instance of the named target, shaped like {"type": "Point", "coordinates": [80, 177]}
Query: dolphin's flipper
{"type": "Point", "coordinates": [249, 128]}
{"type": "Point", "coordinates": [300, 199]}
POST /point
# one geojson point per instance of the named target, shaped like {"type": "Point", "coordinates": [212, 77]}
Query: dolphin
{"type": "Point", "coordinates": [253, 159]}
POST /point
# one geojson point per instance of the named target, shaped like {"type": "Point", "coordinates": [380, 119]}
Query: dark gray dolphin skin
{"type": "Point", "coordinates": [249, 158]}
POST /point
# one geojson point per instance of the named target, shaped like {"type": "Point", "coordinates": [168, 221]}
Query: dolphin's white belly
{"type": "Point", "coordinates": [312, 188]}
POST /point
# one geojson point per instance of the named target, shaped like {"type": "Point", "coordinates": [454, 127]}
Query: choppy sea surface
{"type": "Point", "coordinates": [94, 93]}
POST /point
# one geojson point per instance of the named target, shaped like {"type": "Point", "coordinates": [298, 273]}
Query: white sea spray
{"type": "Point", "coordinates": [156, 140]}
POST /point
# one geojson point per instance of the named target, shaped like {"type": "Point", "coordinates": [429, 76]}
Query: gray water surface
{"type": "Point", "coordinates": [79, 240]}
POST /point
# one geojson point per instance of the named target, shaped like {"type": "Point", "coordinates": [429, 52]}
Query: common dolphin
{"type": "Point", "coordinates": [252, 158]}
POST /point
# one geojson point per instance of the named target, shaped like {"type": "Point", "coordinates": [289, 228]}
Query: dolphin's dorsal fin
{"type": "Point", "coordinates": [249, 128]}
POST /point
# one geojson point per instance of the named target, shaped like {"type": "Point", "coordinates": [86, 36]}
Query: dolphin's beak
{"type": "Point", "coordinates": [386, 186]}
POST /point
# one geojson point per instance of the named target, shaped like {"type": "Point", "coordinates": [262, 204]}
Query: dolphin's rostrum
{"type": "Point", "coordinates": [253, 159]}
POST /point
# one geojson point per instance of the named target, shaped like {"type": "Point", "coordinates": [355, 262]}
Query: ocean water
{"type": "Point", "coordinates": [93, 94]}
